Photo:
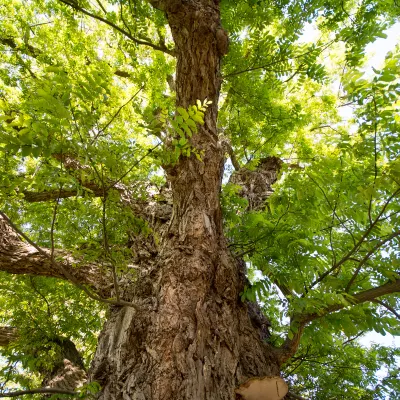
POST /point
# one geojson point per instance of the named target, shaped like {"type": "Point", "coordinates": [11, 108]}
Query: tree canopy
{"type": "Point", "coordinates": [89, 119]}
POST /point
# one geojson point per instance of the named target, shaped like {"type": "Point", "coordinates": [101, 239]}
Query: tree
{"type": "Point", "coordinates": [115, 137]}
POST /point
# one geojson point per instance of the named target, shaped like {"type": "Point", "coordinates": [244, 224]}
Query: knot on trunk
{"type": "Point", "coordinates": [257, 183]}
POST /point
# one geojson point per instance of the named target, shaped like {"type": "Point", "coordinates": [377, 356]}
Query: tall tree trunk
{"type": "Point", "coordinates": [191, 337]}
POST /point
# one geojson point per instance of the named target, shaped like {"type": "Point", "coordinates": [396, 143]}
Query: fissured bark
{"type": "Point", "coordinates": [191, 337]}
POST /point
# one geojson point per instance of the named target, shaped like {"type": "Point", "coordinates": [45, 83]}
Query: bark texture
{"type": "Point", "coordinates": [191, 338]}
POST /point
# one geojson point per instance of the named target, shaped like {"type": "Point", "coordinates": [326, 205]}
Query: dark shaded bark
{"type": "Point", "coordinates": [67, 372]}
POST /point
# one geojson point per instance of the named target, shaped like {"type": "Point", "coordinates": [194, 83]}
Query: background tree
{"type": "Point", "coordinates": [210, 255]}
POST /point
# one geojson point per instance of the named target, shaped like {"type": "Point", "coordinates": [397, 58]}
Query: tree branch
{"type": "Point", "coordinates": [67, 372]}
{"type": "Point", "coordinates": [388, 307]}
{"type": "Point", "coordinates": [367, 256]}
{"type": "Point", "coordinates": [41, 390]}
{"type": "Point", "coordinates": [7, 335]}
{"type": "Point", "coordinates": [34, 52]}
{"type": "Point", "coordinates": [49, 195]}
{"type": "Point", "coordinates": [290, 346]}
{"type": "Point", "coordinates": [359, 298]}
{"type": "Point", "coordinates": [65, 270]}
{"type": "Point", "coordinates": [116, 27]}
{"type": "Point", "coordinates": [357, 245]}
{"type": "Point", "coordinates": [26, 49]}
{"type": "Point", "coordinates": [294, 396]}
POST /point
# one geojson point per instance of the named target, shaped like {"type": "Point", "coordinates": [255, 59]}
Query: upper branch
{"type": "Point", "coordinates": [358, 244]}
{"type": "Point", "coordinates": [116, 27]}
{"type": "Point", "coordinates": [35, 52]}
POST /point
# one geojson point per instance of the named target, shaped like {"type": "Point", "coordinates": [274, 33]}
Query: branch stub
{"type": "Point", "coordinates": [268, 388]}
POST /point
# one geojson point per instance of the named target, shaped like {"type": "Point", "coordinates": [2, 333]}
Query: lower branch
{"type": "Point", "coordinates": [19, 257]}
{"type": "Point", "coordinates": [67, 371]}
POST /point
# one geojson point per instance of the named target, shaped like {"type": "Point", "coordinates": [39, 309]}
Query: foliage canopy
{"type": "Point", "coordinates": [94, 80]}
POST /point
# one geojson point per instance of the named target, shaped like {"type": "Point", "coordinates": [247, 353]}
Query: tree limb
{"type": "Point", "coordinates": [49, 195]}
{"type": "Point", "coordinates": [294, 396]}
{"type": "Point", "coordinates": [357, 245]}
{"type": "Point", "coordinates": [388, 307]}
{"type": "Point", "coordinates": [26, 49]}
{"type": "Point", "coordinates": [367, 256]}
{"type": "Point", "coordinates": [40, 390]}
{"type": "Point", "coordinates": [116, 27]}
{"type": "Point", "coordinates": [7, 335]}
{"type": "Point", "coordinates": [290, 346]}
{"type": "Point", "coordinates": [65, 270]}
{"type": "Point", "coordinates": [35, 52]}
{"type": "Point", "coordinates": [359, 298]}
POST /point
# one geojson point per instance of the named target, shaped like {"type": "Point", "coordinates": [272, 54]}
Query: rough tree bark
{"type": "Point", "coordinates": [186, 334]}
{"type": "Point", "coordinates": [191, 338]}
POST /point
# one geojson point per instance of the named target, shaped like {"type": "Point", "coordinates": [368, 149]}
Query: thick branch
{"type": "Point", "coordinates": [294, 396]}
{"type": "Point", "coordinates": [26, 49]}
{"type": "Point", "coordinates": [68, 371]}
{"type": "Point", "coordinates": [19, 257]}
{"type": "Point", "coordinates": [50, 195]}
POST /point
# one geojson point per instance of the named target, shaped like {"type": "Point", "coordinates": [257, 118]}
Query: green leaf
{"type": "Point", "coordinates": [183, 112]}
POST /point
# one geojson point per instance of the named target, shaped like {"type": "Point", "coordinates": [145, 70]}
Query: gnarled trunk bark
{"type": "Point", "coordinates": [192, 337]}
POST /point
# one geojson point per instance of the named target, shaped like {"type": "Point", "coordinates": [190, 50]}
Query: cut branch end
{"type": "Point", "coordinates": [268, 388]}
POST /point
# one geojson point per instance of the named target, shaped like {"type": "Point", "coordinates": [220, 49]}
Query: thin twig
{"type": "Point", "coordinates": [353, 338]}
{"type": "Point", "coordinates": [133, 166]}
{"type": "Point", "coordinates": [274, 62]}
{"type": "Point", "coordinates": [116, 114]}
{"type": "Point", "coordinates": [101, 6]}
{"type": "Point", "coordinates": [375, 159]}
{"type": "Point", "coordinates": [358, 244]}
